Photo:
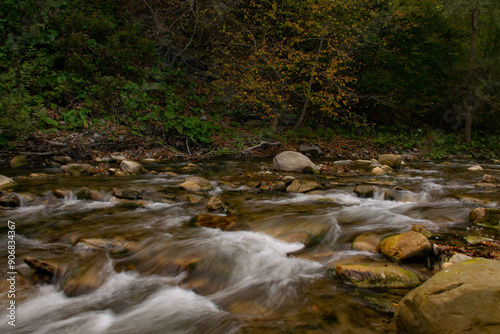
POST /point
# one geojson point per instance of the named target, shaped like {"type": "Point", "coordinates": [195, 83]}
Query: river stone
{"type": "Point", "coordinates": [391, 160]}
{"type": "Point", "coordinates": [42, 267]}
{"type": "Point", "coordinates": [203, 183]}
{"type": "Point", "coordinates": [377, 275]}
{"type": "Point", "coordinates": [89, 194]}
{"type": "Point", "coordinates": [11, 200]}
{"type": "Point", "coordinates": [457, 258]}
{"type": "Point", "coordinates": [214, 221]}
{"type": "Point", "coordinates": [485, 216]}
{"type": "Point", "coordinates": [378, 171]}
{"type": "Point", "coordinates": [118, 157]}
{"type": "Point", "coordinates": [62, 159]}
{"type": "Point", "coordinates": [131, 167]}
{"type": "Point", "coordinates": [191, 198]}
{"type": "Point", "coordinates": [191, 167]}
{"type": "Point", "coordinates": [475, 240]}
{"type": "Point", "coordinates": [365, 191]}
{"type": "Point", "coordinates": [190, 186]}
{"type": "Point", "coordinates": [126, 194]}
{"type": "Point", "coordinates": [38, 176]}
{"type": "Point", "coordinates": [299, 186]}
{"type": "Point", "coordinates": [366, 242]}
{"type": "Point", "coordinates": [293, 161]}
{"type": "Point", "coordinates": [407, 246]}
{"type": "Point", "coordinates": [464, 298]}
{"type": "Point", "coordinates": [489, 178]}
{"type": "Point", "coordinates": [309, 149]}
{"type": "Point", "coordinates": [215, 204]}
{"type": "Point", "coordinates": [19, 161]}
{"type": "Point", "coordinates": [422, 230]}
{"type": "Point", "coordinates": [375, 163]}
{"type": "Point", "coordinates": [85, 279]}
{"type": "Point", "coordinates": [77, 169]}
{"type": "Point", "coordinates": [5, 182]}
{"type": "Point", "coordinates": [107, 245]}
{"type": "Point", "coordinates": [475, 168]}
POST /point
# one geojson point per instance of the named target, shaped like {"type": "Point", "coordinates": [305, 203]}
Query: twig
{"type": "Point", "coordinates": [263, 144]}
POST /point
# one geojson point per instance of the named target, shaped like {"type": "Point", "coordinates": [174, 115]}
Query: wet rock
{"type": "Point", "coordinates": [378, 171]}
{"type": "Point", "coordinates": [11, 200]}
{"type": "Point", "coordinates": [118, 157]}
{"type": "Point", "coordinates": [363, 191]}
{"type": "Point", "coordinates": [407, 246]}
{"type": "Point", "coordinates": [484, 185]}
{"type": "Point", "coordinates": [299, 186]}
{"type": "Point", "coordinates": [194, 199]}
{"type": "Point", "coordinates": [214, 221]}
{"type": "Point", "coordinates": [386, 168]}
{"type": "Point", "coordinates": [475, 168]}
{"type": "Point", "coordinates": [5, 182]}
{"type": "Point", "coordinates": [191, 167]}
{"type": "Point", "coordinates": [278, 186]}
{"type": "Point", "coordinates": [293, 161]}
{"type": "Point", "coordinates": [464, 298]}
{"type": "Point", "coordinates": [422, 230]}
{"type": "Point", "coordinates": [38, 176]}
{"type": "Point", "coordinates": [475, 240]}
{"type": "Point", "coordinates": [45, 271]}
{"type": "Point", "coordinates": [375, 163]}
{"type": "Point", "coordinates": [301, 237]}
{"type": "Point", "coordinates": [126, 194]}
{"type": "Point", "coordinates": [62, 159]}
{"type": "Point", "coordinates": [363, 162]}
{"type": "Point", "coordinates": [457, 258]}
{"type": "Point", "coordinates": [107, 245]}
{"type": "Point", "coordinates": [85, 279]}
{"type": "Point", "coordinates": [89, 194]}
{"type": "Point", "coordinates": [62, 194]}
{"type": "Point", "coordinates": [391, 160]}
{"type": "Point", "coordinates": [19, 161]}
{"type": "Point", "coordinates": [288, 179]}
{"type": "Point", "coordinates": [132, 167]}
{"type": "Point", "coordinates": [377, 275]}
{"type": "Point", "coordinates": [203, 183]}
{"type": "Point", "coordinates": [366, 242]}
{"type": "Point", "coordinates": [309, 149]}
{"type": "Point", "coordinates": [485, 216]}
{"type": "Point", "coordinates": [77, 169]}
{"type": "Point", "coordinates": [489, 179]}
{"type": "Point", "coordinates": [215, 204]}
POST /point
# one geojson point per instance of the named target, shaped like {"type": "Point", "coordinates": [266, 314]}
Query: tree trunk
{"type": "Point", "coordinates": [468, 114]}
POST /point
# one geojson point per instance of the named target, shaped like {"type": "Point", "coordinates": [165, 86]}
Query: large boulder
{"type": "Point", "coordinates": [19, 161]}
{"type": "Point", "coordinates": [77, 169]}
{"type": "Point", "coordinates": [406, 246]}
{"type": "Point", "coordinates": [293, 161]}
{"type": "Point", "coordinates": [6, 182]}
{"type": "Point", "coordinates": [464, 298]}
{"type": "Point", "coordinates": [377, 275]}
{"type": "Point", "coordinates": [485, 216]}
{"type": "Point", "coordinates": [391, 160]}
{"type": "Point", "coordinates": [131, 167]}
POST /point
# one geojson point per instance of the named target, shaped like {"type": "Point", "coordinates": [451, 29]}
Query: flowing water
{"type": "Point", "coordinates": [270, 273]}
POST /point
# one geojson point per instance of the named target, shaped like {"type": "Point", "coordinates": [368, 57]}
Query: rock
{"type": "Point", "coordinates": [475, 168]}
{"type": "Point", "coordinates": [366, 242]}
{"type": "Point", "coordinates": [5, 182]}
{"type": "Point", "coordinates": [19, 161]}
{"type": "Point", "coordinates": [11, 200]}
{"type": "Point", "coordinates": [422, 230]}
{"type": "Point", "coordinates": [77, 169]}
{"type": "Point", "coordinates": [386, 168]}
{"type": "Point", "coordinates": [118, 157]}
{"type": "Point", "coordinates": [375, 163]}
{"type": "Point", "coordinates": [309, 149]}
{"type": "Point", "coordinates": [475, 240]}
{"type": "Point", "coordinates": [43, 268]}
{"type": "Point", "coordinates": [299, 186]}
{"type": "Point", "coordinates": [485, 216]}
{"type": "Point", "coordinates": [278, 186]}
{"type": "Point", "coordinates": [190, 186]}
{"type": "Point", "coordinates": [214, 221]}
{"type": "Point", "coordinates": [194, 199]}
{"type": "Point", "coordinates": [288, 179]}
{"type": "Point", "coordinates": [489, 179]}
{"type": "Point", "coordinates": [85, 279]}
{"type": "Point", "coordinates": [343, 163]}
{"type": "Point", "coordinates": [464, 298]}
{"type": "Point", "coordinates": [107, 245]}
{"type": "Point", "coordinates": [365, 191]}
{"type": "Point", "coordinates": [203, 183]}
{"type": "Point", "coordinates": [407, 246]}
{"type": "Point", "coordinates": [215, 204]}
{"type": "Point", "coordinates": [38, 176]}
{"type": "Point", "coordinates": [126, 194]}
{"type": "Point", "coordinates": [391, 160]}
{"type": "Point", "coordinates": [457, 258]}
{"type": "Point", "coordinates": [377, 275]}
{"type": "Point", "coordinates": [191, 167]}
{"type": "Point", "coordinates": [62, 194]}
{"type": "Point", "coordinates": [62, 159]}
{"type": "Point", "coordinates": [363, 162]}
{"type": "Point", "coordinates": [293, 161]}
{"type": "Point", "coordinates": [378, 171]}
{"type": "Point", "coordinates": [88, 194]}
{"type": "Point", "coordinates": [484, 185]}
{"type": "Point", "coordinates": [131, 167]}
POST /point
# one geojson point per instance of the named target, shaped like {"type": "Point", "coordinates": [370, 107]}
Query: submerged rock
{"type": "Point", "coordinates": [89, 194]}
{"type": "Point", "coordinates": [42, 267]}
{"type": "Point", "coordinates": [77, 169]}
{"type": "Point", "coordinates": [364, 191]}
{"type": "Point", "coordinates": [215, 204]}
{"type": "Point", "coordinates": [475, 240]}
{"type": "Point", "coordinates": [298, 186]}
{"type": "Point", "coordinates": [107, 245]}
{"type": "Point", "coordinates": [293, 161]}
{"type": "Point", "coordinates": [367, 242]}
{"type": "Point", "coordinates": [464, 298]}
{"type": "Point", "coordinates": [391, 160]}
{"type": "Point", "coordinates": [126, 194]}
{"type": "Point", "coordinates": [407, 246]}
{"type": "Point", "coordinates": [214, 221]}
{"type": "Point", "coordinates": [19, 161]}
{"type": "Point", "coordinates": [11, 200]}
{"type": "Point", "coordinates": [489, 179]}
{"type": "Point", "coordinates": [85, 278]}
{"type": "Point", "coordinates": [377, 275]}
{"type": "Point", "coordinates": [132, 167]}
{"type": "Point", "coordinates": [485, 216]}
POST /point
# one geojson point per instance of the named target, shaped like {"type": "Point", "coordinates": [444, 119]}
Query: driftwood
{"type": "Point", "coordinates": [262, 145]}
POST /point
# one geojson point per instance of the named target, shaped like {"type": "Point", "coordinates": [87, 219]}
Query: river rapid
{"type": "Point", "coordinates": [273, 271]}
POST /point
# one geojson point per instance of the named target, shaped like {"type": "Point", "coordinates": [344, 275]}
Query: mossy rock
{"type": "Point", "coordinates": [485, 216]}
{"type": "Point", "coordinates": [377, 275]}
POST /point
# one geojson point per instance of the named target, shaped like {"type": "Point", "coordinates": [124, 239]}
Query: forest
{"type": "Point", "coordinates": [394, 73]}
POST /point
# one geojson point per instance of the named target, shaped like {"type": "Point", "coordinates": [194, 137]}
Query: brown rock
{"type": "Point", "coordinates": [215, 204]}
{"type": "Point", "coordinates": [298, 186]}
{"type": "Point", "coordinates": [214, 221]}
{"type": "Point", "coordinates": [407, 246]}
{"type": "Point", "coordinates": [375, 275]}
{"type": "Point", "coordinates": [485, 216]}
